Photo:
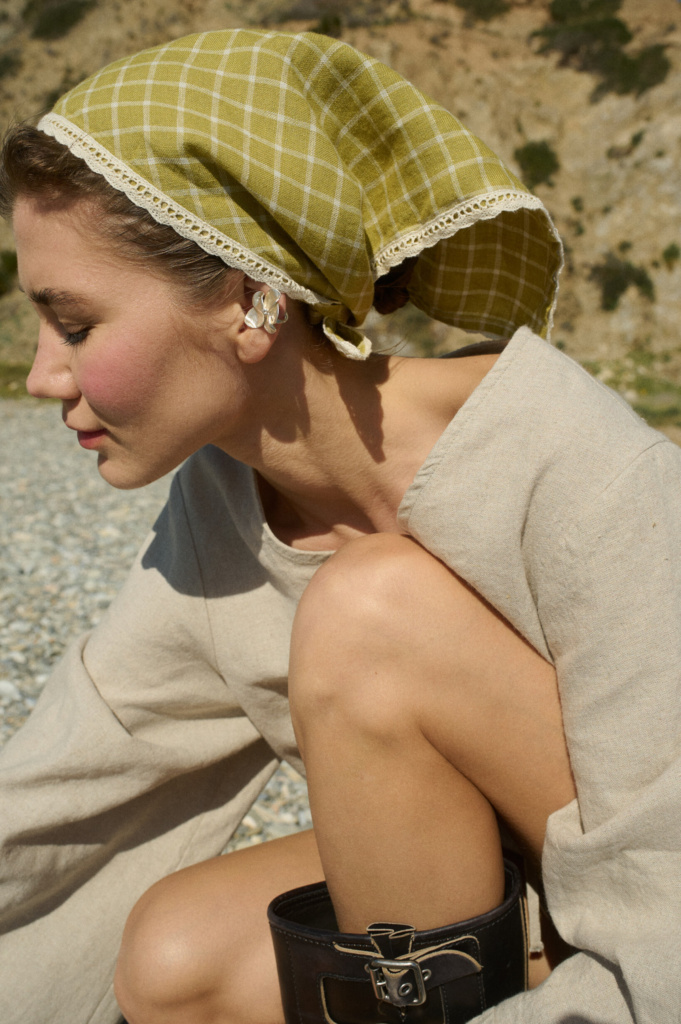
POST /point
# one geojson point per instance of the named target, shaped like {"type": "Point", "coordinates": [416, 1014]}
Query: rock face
{"type": "Point", "coordinates": [618, 187]}
{"type": "Point", "coordinates": [615, 196]}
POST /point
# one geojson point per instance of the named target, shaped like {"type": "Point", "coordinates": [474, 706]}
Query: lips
{"type": "Point", "coordinates": [90, 438]}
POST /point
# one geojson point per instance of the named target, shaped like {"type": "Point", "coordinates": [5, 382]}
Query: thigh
{"type": "Point", "coordinates": [199, 939]}
{"type": "Point", "coordinates": [391, 648]}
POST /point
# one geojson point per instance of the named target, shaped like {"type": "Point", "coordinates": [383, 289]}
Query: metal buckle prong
{"type": "Point", "coordinates": [398, 982]}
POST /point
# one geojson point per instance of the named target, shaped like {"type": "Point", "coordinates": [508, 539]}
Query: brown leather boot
{"type": "Point", "coordinates": [394, 974]}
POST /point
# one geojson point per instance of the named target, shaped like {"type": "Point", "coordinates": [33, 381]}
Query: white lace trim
{"type": "Point", "coordinates": [465, 215]}
{"type": "Point", "coordinates": [165, 211]}
{"type": "Point", "coordinates": [556, 276]}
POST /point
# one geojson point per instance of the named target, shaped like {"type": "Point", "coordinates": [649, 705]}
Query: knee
{"type": "Point", "coordinates": [369, 608]}
{"type": "Point", "coordinates": [365, 588]}
{"type": "Point", "coordinates": [162, 964]}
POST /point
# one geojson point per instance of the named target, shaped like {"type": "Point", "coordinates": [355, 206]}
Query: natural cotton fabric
{"type": "Point", "coordinates": [152, 736]}
{"type": "Point", "coordinates": [316, 169]}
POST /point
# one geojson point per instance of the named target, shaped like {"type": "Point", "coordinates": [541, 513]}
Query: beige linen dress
{"type": "Point", "coordinates": [561, 508]}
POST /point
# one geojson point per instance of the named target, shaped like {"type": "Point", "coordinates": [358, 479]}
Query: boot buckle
{"type": "Point", "coordinates": [398, 982]}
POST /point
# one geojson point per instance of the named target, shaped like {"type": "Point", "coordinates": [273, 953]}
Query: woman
{"type": "Point", "coordinates": [420, 554]}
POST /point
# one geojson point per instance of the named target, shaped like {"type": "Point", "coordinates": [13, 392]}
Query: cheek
{"type": "Point", "coordinates": [118, 384]}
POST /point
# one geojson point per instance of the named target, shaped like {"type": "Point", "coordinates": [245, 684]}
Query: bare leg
{"type": "Point", "coordinates": [418, 711]}
{"type": "Point", "coordinates": [197, 946]}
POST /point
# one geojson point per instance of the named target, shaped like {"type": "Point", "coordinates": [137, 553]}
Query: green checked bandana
{"type": "Point", "coordinates": [316, 169]}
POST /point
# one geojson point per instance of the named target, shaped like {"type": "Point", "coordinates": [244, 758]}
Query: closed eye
{"type": "Point", "coordinates": [76, 337]}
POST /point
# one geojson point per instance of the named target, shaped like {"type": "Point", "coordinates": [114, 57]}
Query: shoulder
{"type": "Point", "coordinates": [533, 448]}
{"type": "Point", "coordinates": [555, 427]}
{"type": "Point", "coordinates": [211, 518]}
{"type": "Point", "coordinates": [551, 393]}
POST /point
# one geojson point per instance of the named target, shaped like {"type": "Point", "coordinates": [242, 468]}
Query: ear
{"type": "Point", "coordinates": [255, 342]}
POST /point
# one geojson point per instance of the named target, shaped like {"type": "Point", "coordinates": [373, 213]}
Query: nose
{"type": "Point", "coordinates": [51, 375]}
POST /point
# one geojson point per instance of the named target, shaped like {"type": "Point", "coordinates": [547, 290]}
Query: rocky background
{"type": "Point", "coordinates": [581, 97]}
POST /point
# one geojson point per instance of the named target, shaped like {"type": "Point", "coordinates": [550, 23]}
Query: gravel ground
{"type": "Point", "coordinates": [67, 539]}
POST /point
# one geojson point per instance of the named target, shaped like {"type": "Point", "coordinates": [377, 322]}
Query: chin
{"type": "Point", "coordinates": [127, 478]}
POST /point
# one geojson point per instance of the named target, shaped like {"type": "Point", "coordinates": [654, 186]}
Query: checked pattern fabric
{"type": "Point", "coordinates": [316, 169]}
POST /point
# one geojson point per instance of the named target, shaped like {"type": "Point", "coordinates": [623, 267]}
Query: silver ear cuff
{"type": "Point", "coordinates": [265, 311]}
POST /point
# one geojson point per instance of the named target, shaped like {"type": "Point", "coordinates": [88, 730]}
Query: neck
{"type": "Point", "coordinates": [337, 443]}
{"type": "Point", "coordinates": [341, 476]}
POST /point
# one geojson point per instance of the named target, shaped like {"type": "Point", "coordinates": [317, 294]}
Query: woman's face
{"type": "Point", "coordinates": [144, 382]}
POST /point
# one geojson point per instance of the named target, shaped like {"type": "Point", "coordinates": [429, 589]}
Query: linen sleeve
{"type": "Point", "coordinates": [136, 761]}
{"type": "Point", "coordinates": [612, 859]}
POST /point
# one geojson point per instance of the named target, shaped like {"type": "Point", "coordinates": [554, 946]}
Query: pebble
{"type": "Point", "coordinates": [67, 539]}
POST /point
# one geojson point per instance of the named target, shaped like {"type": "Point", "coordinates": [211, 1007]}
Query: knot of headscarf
{"type": "Point", "coordinates": [334, 316]}
{"type": "Point", "coordinates": [317, 170]}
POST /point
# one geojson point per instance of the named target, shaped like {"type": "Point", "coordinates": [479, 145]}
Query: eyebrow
{"type": "Point", "coordinates": [54, 297]}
